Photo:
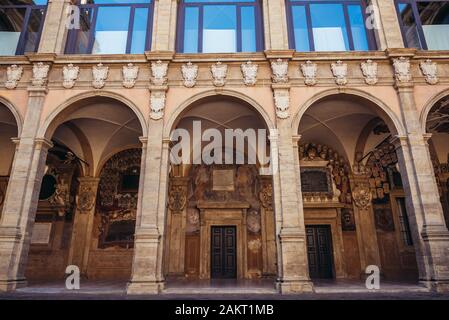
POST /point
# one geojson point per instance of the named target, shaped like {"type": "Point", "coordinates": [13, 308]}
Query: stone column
{"type": "Point", "coordinates": [293, 269]}
{"type": "Point", "coordinates": [164, 25]}
{"type": "Point", "coordinates": [146, 275]}
{"type": "Point", "coordinates": [275, 25]}
{"type": "Point", "coordinates": [430, 235]}
{"type": "Point", "coordinates": [385, 21]}
{"type": "Point", "coordinates": [83, 223]}
{"type": "Point", "coordinates": [19, 208]}
{"type": "Point", "coordinates": [54, 33]}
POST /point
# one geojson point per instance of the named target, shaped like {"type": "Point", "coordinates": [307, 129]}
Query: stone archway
{"type": "Point", "coordinates": [437, 126]}
{"type": "Point", "coordinates": [370, 209]}
{"type": "Point", "coordinates": [9, 129]}
{"type": "Point", "coordinates": [203, 196]}
{"type": "Point", "coordinates": [82, 136]}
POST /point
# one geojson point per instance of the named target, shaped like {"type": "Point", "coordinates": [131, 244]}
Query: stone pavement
{"type": "Point", "coordinates": [222, 290]}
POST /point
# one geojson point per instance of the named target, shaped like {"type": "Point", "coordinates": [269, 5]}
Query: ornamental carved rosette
{"type": "Point", "coordinates": [249, 72]}
{"type": "Point", "coordinates": [340, 72]}
{"type": "Point", "coordinates": [129, 73]}
{"type": "Point", "coordinates": [362, 196]}
{"type": "Point", "coordinates": [429, 70]}
{"type": "Point", "coordinates": [40, 74]}
{"type": "Point", "coordinates": [402, 69]}
{"type": "Point", "coordinates": [70, 74]}
{"type": "Point", "coordinates": [177, 198]}
{"type": "Point", "coordinates": [13, 76]}
{"type": "Point", "coordinates": [309, 71]}
{"type": "Point", "coordinates": [189, 74]}
{"type": "Point", "coordinates": [279, 69]}
{"type": "Point", "coordinates": [219, 72]}
{"type": "Point", "coordinates": [99, 75]}
{"type": "Point", "coordinates": [159, 71]}
{"type": "Point", "coordinates": [266, 196]}
{"type": "Point", "coordinates": [85, 200]}
{"type": "Point", "coordinates": [369, 71]}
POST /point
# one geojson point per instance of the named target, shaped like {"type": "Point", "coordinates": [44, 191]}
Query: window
{"type": "Point", "coordinates": [112, 27]}
{"type": "Point", "coordinates": [403, 221]}
{"type": "Point", "coordinates": [219, 26]}
{"type": "Point", "coordinates": [21, 25]}
{"type": "Point", "coordinates": [321, 25]}
{"type": "Point", "coordinates": [424, 24]}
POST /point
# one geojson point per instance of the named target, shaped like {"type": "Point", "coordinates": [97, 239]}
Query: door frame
{"type": "Point", "coordinates": [223, 214]}
{"type": "Point", "coordinates": [331, 249]}
{"type": "Point", "coordinates": [222, 247]}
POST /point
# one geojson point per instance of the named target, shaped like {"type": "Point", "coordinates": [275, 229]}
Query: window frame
{"type": "Point", "coordinates": [72, 34]}
{"type": "Point", "coordinates": [345, 3]}
{"type": "Point", "coordinates": [20, 50]}
{"type": "Point", "coordinates": [422, 38]}
{"type": "Point", "coordinates": [258, 15]}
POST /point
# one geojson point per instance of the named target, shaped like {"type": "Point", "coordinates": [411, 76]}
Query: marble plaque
{"type": "Point", "coordinates": [41, 233]}
{"type": "Point", "coordinates": [223, 180]}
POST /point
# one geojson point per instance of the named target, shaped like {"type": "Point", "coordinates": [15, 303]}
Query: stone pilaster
{"type": "Point", "coordinates": [364, 219]}
{"type": "Point", "coordinates": [387, 28]}
{"type": "Point", "coordinates": [275, 25]}
{"type": "Point", "coordinates": [146, 275]}
{"type": "Point", "coordinates": [54, 33]}
{"type": "Point", "coordinates": [3, 187]}
{"type": "Point", "coordinates": [164, 25]}
{"type": "Point", "coordinates": [430, 235]}
{"type": "Point", "coordinates": [293, 269]}
{"type": "Point", "coordinates": [83, 223]}
{"type": "Point", "coordinates": [176, 220]}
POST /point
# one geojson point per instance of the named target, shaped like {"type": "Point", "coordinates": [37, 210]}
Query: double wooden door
{"type": "Point", "coordinates": [223, 252]}
{"type": "Point", "coordinates": [319, 251]}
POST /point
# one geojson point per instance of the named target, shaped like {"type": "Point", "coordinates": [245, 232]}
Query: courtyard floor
{"type": "Point", "coordinates": [223, 290]}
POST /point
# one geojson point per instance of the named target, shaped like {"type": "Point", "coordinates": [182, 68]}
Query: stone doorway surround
{"type": "Point", "coordinates": [231, 213]}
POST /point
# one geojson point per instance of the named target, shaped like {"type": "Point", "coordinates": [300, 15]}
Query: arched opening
{"type": "Point", "coordinates": [8, 130]}
{"type": "Point", "coordinates": [86, 210]}
{"type": "Point", "coordinates": [220, 218]}
{"type": "Point", "coordinates": [354, 200]}
{"type": "Point", "coordinates": [437, 124]}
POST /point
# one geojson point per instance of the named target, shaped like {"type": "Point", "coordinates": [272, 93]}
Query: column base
{"type": "Point", "coordinates": [144, 287]}
{"type": "Point", "coordinates": [12, 285]}
{"type": "Point", "coordinates": [436, 286]}
{"type": "Point", "coordinates": [294, 286]}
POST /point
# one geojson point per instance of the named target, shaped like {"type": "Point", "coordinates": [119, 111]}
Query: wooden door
{"type": "Point", "coordinates": [319, 251]}
{"type": "Point", "coordinates": [223, 252]}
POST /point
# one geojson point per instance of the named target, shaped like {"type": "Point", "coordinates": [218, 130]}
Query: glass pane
{"type": "Point", "coordinates": [248, 22]}
{"type": "Point", "coordinates": [140, 27]}
{"type": "Point", "coordinates": [409, 26]}
{"type": "Point", "coordinates": [33, 29]}
{"type": "Point", "coordinates": [114, 1]}
{"type": "Point", "coordinates": [300, 28]}
{"type": "Point", "coordinates": [203, 1]}
{"type": "Point", "coordinates": [111, 30]}
{"type": "Point", "coordinates": [435, 23]}
{"type": "Point", "coordinates": [357, 27]}
{"type": "Point", "coordinates": [10, 28]}
{"type": "Point", "coordinates": [219, 29]}
{"type": "Point", "coordinates": [328, 27]}
{"type": "Point", "coordinates": [191, 30]}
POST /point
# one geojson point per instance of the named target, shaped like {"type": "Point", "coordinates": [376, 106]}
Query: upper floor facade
{"type": "Point", "coordinates": [105, 27]}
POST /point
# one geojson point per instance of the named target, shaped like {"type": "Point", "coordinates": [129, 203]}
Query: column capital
{"type": "Point", "coordinates": [295, 139]}
{"type": "Point", "coordinates": [43, 143]}
{"type": "Point", "coordinates": [399, 140]}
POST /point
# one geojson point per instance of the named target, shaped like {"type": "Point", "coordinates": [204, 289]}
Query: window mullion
{"type": "Point", "coordinates": [92, 30]}
{"type": "Point", "coordinates": [200, 29]}
{"type": "Point", "coordinates": [348, 27]}
{"type": "Point", "coordinates": [21, 43]}
{"type": "Point", "coordinates": [309, 27]}
{"type": "Point", "coordinates": [239, 28]}
{"type": "Point", "coordinates": [130, 29]}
